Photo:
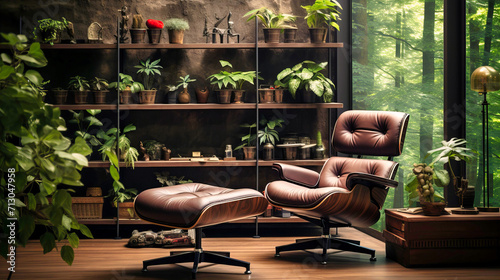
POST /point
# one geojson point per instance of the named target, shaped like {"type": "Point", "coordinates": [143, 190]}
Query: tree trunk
{"type": "Point", "coordinates": [428, 42]}
{"type": "Point", "coordinates": [398, 49]}
{"type": "Point", "coordinates": [360, 50]}
{"type": "Point", "coordinates": [488, 32]}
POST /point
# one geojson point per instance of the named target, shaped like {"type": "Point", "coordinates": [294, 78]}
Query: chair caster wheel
{"type": "Point", "coordinates": [144, 270]}
{"type": "Point", "coordinates": [277, 255]}
{"type": "Point", "coordinates": [373, 259]}
{"type": "Point", "coordinates": [323, 263]}
{"type": "Point", "coordinates": [248, 272]}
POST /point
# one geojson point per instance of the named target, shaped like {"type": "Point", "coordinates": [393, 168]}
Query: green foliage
{"type": "Point", "coordinates": [183, 82]}
{"type": "Point", "coordinates": [270, 19]}
{"type": "Point", "coordinates": [109, 139]}
{"type": "Point", "coordinates": [98, 84]}
{"type": "Point", "coordinates": [168, 180]}
{"type": "Point", "coordinates": [148, 70]}
{"type": "Point", "coordinates": [249, 138]}
{"type": "Point", "coordinates": [35, 158]}
{"type": "Point", "coordinates": [236, 79]}
{"type": "Point", "coordinates": [176, 24]}
{"type": "Point", "coordinates": [323, 12]}
{"type": "Point", "coordinates": [49, 29]}
{"type": "Point", "coordinates": [306, 75]}
{"type": "Point", "coordinates": [269, 134]}
{"type": "Point", "coordinates": [78, 83]}
{"type": "Point", "coordinates": [85, 123]}
{"type": "Point", "coordinates": [127, 83]}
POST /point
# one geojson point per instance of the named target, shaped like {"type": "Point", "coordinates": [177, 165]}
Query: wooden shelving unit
{"type": "Point", "coordinates": [206, 106]}
{"type": "Point", "coordinates": [220, 163]}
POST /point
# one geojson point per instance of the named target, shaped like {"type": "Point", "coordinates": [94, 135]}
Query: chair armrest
{"type": "Point", "coordinates": [369, 180]}
{"type": "Point", "coordinates": [298, 175]}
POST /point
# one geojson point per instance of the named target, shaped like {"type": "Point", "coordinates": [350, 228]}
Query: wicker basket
{"type": "Point", "coordinates": [87, 207]}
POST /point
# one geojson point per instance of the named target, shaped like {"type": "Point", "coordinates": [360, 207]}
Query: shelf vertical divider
{"type": "Point", "coordinates": [118, 117]}
{"type": "Point", "coordinates": [256, 118]}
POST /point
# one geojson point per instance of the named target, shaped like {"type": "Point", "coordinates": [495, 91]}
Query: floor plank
{"type": "Point", "coordinates": [111, 260]}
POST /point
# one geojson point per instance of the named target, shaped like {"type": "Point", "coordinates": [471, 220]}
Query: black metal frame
{"type": "Point", "coordinates": [197, 256]}
{"type": "Point", "coordinates": [326, 241]}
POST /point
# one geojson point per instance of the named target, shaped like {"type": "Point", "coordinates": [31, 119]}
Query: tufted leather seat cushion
{"type": "Point", "coordinates": [197, 205]}
{"type": "Point", "coordinates": [377, 133]}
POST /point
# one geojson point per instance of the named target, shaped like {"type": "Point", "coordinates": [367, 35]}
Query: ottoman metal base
{"type": "Point", "coordinates": [197, 256]}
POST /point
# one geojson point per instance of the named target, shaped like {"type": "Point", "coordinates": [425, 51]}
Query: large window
{"type": "Point", "coordinates": [398, 66]}
{"type": "Point", "coordinates": [483, 48]}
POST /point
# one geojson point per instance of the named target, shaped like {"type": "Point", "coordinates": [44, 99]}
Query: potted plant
{"type": "Point", "coordinates": [60, 95]}
{"type": "Point", "coordinates": [176, 27]}
{"type": "Point", "coordinates": [50, 30]}
{"type": "Point", "coordinates": [183, 96]}
{"type": "Point", "coordinates": [426, 177]}
{"type": "Point", "coordinates": [80, 86]}
{"type": "Point", "coordinates": [148, 70]}
{"type": "Point", "coordinates": [236, 79]}
{"type": "Point", "coordinates": [241, 78]}
{"type": "Point", "coordinates": [138, 30]}
{"type": "Point", "coordinates": [273, 23]}
{"type": "Point", "coordinates": [269, 136]}
{"type": "Point", "coordinates": [154, 30]}
{"type": "Point", "coordinates": [127, 87]}
{"type": "Point", "coordinates": [307, 76]}
{"type": "Point", "coordinates": [321, 13]}
{"type": "Point", "coordinates": [128, 153]}
{"type": "Point", "coordinates": [247, 141]}
{"type": "Point", "coordinates": [222, 80]}
{"type": "Point", "coordinates": [100, 88]}
{"type": "Point", "coordinates": [151, 149]}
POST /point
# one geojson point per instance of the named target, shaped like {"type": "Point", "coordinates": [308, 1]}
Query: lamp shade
{"type": "Point", "coordinates": [485, 79]}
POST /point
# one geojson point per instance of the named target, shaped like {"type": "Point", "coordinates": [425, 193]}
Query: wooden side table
{"type": "Point", "coordinates": [418, 240]}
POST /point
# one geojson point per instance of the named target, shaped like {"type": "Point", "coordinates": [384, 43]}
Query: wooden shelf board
{"type": "Point", "coordinates": [266, 220]}
{"type": "Point", "coordinates": [205, 106]}
{"type": "Point", "coordinates": [220, 163]}
{"type": "Point", "coordinates": [193, 46]}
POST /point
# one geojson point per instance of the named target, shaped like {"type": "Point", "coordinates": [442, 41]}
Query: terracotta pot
{"type": "Point", "coordinates": [126, 97]}
{"type": "Point", "coordinates": [147, 97]}
{"type": "Point", "coordinates": [266, 95]}
{"type": "Point", "coordinates": [100, 96]}
{"type": "Point", "coordinates": [176, 36]}
{"type": "Point", "coordinates": [249, 152]}
{"type": "Point", "coordinates": [238, 96]}
{"type": "Point", "coordinates": [138, 36]}
{"type": "Point", "coordinates": [154, 35]}
{"type": "Point", "coordinates": [126, 211]}
{"type": "Point", "coordinates": [202, 95]}
{"type": "Point", "coordinates": [432, 208]}
{"type": "Point", "coordinates": [184, 97]}
{"type": "Point", "coordinates": [272, 35]}
{"type": "Point", "coordinates": [317, 35]}
{"type": "Point", "coordinates": [81, 96]}
{"type": "Point", "coordinates": [60, 96]}
{"type": "Point", "coordinates": [278, 95]}
{"type": "Point", "coordinates": [290, 34]}
{"type": "Point", "coordinates": [224, 96]}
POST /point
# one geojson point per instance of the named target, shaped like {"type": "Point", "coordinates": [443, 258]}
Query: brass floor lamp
{"type": "Point", "coordinates": [483, 80]}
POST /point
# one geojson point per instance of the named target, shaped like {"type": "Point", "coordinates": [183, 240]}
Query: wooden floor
{"type": "Point", "coordinates": [110, 260]}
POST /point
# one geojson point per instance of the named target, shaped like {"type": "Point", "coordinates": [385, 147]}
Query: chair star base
{"type": "Point", "coordinates": [325, 244]}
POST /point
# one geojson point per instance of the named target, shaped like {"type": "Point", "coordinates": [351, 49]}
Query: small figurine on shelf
{"type": "Point", "coordinates": [123, 25]}
{"type": "Point", "coordinates": [166, 153]}
{"type": "Point", "coordinates": [145, 155]}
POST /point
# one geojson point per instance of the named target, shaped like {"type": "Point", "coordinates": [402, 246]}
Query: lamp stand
{"type": "Point", "coordinates": [486, 161]}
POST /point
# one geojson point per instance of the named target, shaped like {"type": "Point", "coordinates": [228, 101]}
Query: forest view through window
{"type": "Point", "coordinates": [398, 63]}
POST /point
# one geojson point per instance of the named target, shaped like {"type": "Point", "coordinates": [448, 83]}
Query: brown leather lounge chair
{"type": "Point", "coordinates": [348, 191]}
{"type": "Point", "coordinates": [196, 206]}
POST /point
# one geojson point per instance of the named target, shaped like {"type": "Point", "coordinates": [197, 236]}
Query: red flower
{"type": "Point", "coordinates": [153, 23]}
